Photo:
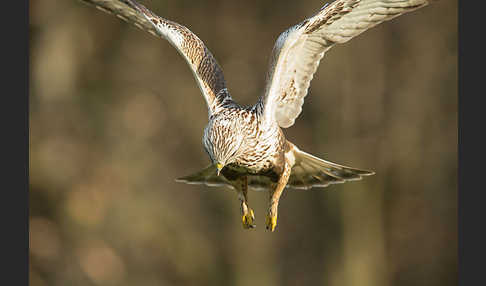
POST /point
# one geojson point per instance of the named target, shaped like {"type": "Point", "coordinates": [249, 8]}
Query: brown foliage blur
{"type": "Point", "coordinates": [116, 116]}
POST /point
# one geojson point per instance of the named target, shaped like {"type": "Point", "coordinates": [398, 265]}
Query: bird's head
{"type": "Point", "coordinates": [222, 142]}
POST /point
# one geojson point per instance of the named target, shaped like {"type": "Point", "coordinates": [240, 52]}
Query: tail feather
{"type": "Point", "coordinates": [310, 171]}
{"type": "Point", "coordinates": [207, 176]}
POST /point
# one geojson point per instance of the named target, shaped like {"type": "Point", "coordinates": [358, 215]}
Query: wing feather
{"type": "Point", "coordinates": [204, 66]}
{"type": "Point", "coordinates": [298, 50]}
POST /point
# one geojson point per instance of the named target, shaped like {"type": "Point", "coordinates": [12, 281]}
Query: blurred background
{"type": "Point", "coordinates": [116, 116]}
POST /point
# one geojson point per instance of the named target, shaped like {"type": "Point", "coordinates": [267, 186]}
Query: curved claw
{"type": "Point", "coordinates": [248, 219]}
{"type": "Point", "coordinates": [271, 222]}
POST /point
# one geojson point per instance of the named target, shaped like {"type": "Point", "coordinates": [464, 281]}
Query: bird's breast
{"type": "Point", "coordinates": [261, 149]}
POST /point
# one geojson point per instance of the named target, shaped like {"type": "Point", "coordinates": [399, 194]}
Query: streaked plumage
{"type": "Point", "coordinates": [246, 144]}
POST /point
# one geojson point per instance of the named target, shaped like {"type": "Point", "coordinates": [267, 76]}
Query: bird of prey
{"type": "Point", "coordinates": [246, 145]}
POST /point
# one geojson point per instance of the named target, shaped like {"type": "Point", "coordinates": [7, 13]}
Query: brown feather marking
{"type": "Point", "coordinates": [335, 12]}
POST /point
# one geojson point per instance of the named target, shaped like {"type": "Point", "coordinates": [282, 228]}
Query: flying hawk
{"type": "Point", "coordinates": [246, 145]}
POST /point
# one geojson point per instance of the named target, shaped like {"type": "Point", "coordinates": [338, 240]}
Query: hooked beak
{"type": "Point", "coordinates": [219, 166]}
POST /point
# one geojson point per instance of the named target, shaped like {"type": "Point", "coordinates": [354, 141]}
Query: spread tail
{"type": "Point", "coordinates": [307, 172]}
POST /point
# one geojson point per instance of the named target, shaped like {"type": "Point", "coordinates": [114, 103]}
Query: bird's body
{"type": "Point", "coordinates": [259, 144]}
{"type": "Point", "coordinates": [246, 145]}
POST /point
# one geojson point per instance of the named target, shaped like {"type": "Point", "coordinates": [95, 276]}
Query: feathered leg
{"type": "Point", "coordinates": [248, 216]}
{"type": "Point", "coordinates": [275, 197]}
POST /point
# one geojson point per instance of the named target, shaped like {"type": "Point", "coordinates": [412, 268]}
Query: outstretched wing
{"type": "Point", "coordinates": [298, 51]}
{"type": "Point", "coordinates": [206, 70]}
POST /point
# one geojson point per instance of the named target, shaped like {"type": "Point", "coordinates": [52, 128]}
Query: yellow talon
{"type": "Point", "coordinates": [271, 222]}
{"type": "Point", "coordinates": [248, 219]}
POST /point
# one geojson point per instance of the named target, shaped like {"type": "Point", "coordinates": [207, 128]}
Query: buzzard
{"type": "Point", "coordinates": [246, 145]}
